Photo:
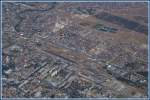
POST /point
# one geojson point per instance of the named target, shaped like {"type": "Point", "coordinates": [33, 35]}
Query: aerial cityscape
{"type": "Point", "coordinates": [74, 50]}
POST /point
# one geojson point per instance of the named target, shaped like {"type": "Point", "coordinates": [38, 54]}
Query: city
{"type": "Point", "coordinates": [74, 50]}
